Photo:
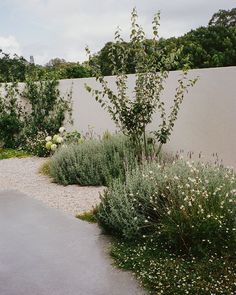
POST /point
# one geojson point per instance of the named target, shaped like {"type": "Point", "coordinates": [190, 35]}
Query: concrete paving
{"type": "Point", "coordinates": [43, 252]}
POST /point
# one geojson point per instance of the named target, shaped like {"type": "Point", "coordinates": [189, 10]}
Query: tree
{"type": "Point", "coordinates": [67, 70]}
{"type": "Point", "coordinates": [210, 47]}
{"type": "Point", "coordinates": [225, 18]}
{"type": "Point", "coordinates": [55, 62]}
{"type": "Point", "coordinates": [132, 114]}
{"type": "Point", "coordinates": [12, 68]}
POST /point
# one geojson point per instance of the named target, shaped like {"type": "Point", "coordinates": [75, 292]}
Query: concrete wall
{"type": "Point", "coordinates": [206, 122]}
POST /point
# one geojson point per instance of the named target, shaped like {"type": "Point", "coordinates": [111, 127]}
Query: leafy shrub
{"type": "Point", "coordinates": [184, 206]}
{"type": "Point", "coordinates": [43, 113]}
{"type": "Point", "coordinates": [36, 145]}
{"type": "Point", "coordinates": [11, 112]}
{"type": "Point", "coordinates": [93, 162]}
{"type": "Point", "coordinates": [73, 137]}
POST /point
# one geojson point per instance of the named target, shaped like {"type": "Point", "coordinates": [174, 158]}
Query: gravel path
{"type": "Point", "coordinates": [22, 175]}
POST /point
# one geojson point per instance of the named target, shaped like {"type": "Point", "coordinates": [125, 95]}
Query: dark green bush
{"type": "Point", "coordinates": [187, 207]}
{"type": "Point", "coordinates": [11, 117]}
{"type": "Point", "coordinates": [93, 162]}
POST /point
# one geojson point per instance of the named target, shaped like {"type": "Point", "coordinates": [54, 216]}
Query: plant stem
{"type": "Point", "coordinates": [159, 149]}
{"type": "Point", "coordinates": [145, 143]}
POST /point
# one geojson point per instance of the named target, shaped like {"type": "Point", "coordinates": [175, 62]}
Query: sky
{"type": "Point", "coordinates": [48, 29]}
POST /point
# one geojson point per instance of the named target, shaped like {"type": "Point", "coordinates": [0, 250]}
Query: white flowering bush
{"type": "Point", "coordinates": [187, 207]}
{"type": "Point", "coordinates": [62, 138]}
{"type": "Point", "coordinates": [53, 142]}
{"type": "Point", "coordinates": [36, 146]}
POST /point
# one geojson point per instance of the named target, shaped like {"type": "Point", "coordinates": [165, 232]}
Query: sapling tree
{"type": "Point", "coordinates": [132, 113]}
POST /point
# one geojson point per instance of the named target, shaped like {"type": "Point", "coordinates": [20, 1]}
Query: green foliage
{"type": "Point", "coordinates": [225, 18]}
{"type": "Point", "coordinates": [73, 137]}
{"type": "Point", "coordinates": [133, 114]}
{"type": "Point", "coordinates": [93, 162]}
{"type": "Point", "coordinates": [11, 117]}
{"type": "Point", "coordinates": [17, 69]}
{"type": "Point", "coordinates": [169, 274]}
{"type": "Point", "coordinates": [67, 70]}
{"type": "Point", "coordinates": [10, 153]}
{"type": "Point", "coordinates": [43, 113]}
{"type": "Point", "coordinates": [200, 52]}
{"type": "Point", "coordinates": [188, 208]}
{"type": "Point", "coordinates": [87, 216]}
{"type": "Point", "coordinates": [204, 47]}
{"type": "Point", "coordinates": [210, 47]}
{"type": "Point", "coordinates": [35, 144]}
{"type": "Point", "coordinates": [12, 68]}
{"type": "Point", "coordinates": [48, 108]}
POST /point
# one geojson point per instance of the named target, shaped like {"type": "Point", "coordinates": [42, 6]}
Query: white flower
{"type": "Point", "coordinates": [53, 147]}
{"type": "Point", "coordinates": [60, 139]}
{"type": "Point", "coordinates": [48, 145]}
{"type": "Point", "coordinates": [55, 137]}
{"type": "Point", "coordinates": [62, 129]}
{"type": "Point", "coordinates": [48, 138]}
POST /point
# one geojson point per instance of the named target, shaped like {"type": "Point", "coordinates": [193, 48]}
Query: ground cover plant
{"type": "Point", "coordinates": [162, 272]}
{"type": "Point", "coordinates": [176, 226]}
{"type": "Point", "coordinates": [87, 216]}
{"type": "Point", "coordinates": [10, 153]}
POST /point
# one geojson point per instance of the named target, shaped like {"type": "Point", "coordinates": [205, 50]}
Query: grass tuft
{"type": "Point", "coordinates": [87, 216]}
{"type": "Point", "coordinates": [45, 168]}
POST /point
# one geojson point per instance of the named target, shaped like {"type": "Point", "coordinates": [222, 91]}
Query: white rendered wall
{"type": "Point", "coordinates": [206, 123]}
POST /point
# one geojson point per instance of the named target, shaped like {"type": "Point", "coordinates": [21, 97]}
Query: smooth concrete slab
{"type": "Point", "coordinates": [43, 252]}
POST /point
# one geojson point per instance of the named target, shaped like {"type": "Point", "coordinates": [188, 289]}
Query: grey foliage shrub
{"type": "Point", "coordinates": [78, 164]}
{"type": "Point", "coordinates": [188, 207]}
{"type": "Point", "coordinates": [94, 162]}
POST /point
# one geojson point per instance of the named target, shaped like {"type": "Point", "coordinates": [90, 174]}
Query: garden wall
{"type": "Point", "coordinates": [206, 123]}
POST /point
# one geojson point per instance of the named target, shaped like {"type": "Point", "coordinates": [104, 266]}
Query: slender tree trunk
{"type": "Point", "coordinates": [145, 144]}
{"type": "Point", "coordinates": [159, 149]}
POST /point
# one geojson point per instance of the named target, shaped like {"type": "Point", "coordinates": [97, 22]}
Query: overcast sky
{"type": "Point", "coordinates": [62, 28]}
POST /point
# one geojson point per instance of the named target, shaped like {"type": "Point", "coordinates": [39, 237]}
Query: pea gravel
{"type": "Point", "coordinates": [23, 175]}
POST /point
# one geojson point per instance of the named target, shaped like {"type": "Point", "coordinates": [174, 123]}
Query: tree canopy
{"type": "Point", "coordinates": [226, 18]}
{"type": "Point", "coordinates": [204, 47]}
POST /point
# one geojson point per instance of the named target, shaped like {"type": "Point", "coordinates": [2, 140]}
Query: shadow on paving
{"type": "Point", "coordinates": [44, 252]}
